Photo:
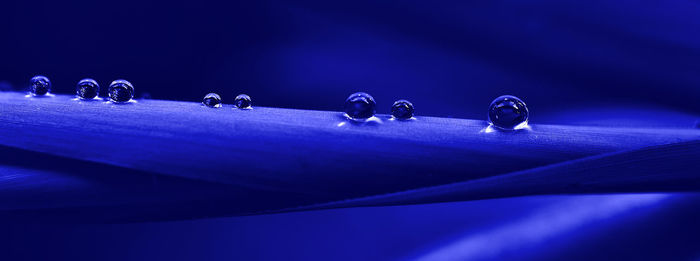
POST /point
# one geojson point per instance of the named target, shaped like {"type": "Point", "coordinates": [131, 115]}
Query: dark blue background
{"type": "Point", "coordinates": [573, 62]}
{"type": "Point", "coordinates": [450, 58]}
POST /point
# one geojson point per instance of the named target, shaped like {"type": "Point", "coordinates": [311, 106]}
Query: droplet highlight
{"type": "Point", "coordinates": [243, 101]}
{"type": "Point", "coordinates": [87, 89]}
{"type": "Point", "coordinates": [508, 112]}
{"type": "Point", "coordinates": [121, 91]}
{"type": "Point", "coordinates": [402, 110]}
{"type": "Point", "coordinates": [39, 85]}
{"type": "Point", "coordinates": [212, 100]}
{"type": "Point", "coordinates": [360, 106]}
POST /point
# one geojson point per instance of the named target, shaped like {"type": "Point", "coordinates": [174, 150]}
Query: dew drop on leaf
{"type": "Point", "coordinates": [402, 110]}
{"type": "Point", "coordinates": [87, 89]}
{"type": "Point", "coordinates": [40, 85]}
{"type": "Point", "coordinates": [243, 101]}
{"type": "Point", "coordinates": [121, 91]}
{"type": "Point", "coordinates": [508, 112]}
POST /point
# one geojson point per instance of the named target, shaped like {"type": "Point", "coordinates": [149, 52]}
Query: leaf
{"type": "Point", "coordinates": [97, 160]}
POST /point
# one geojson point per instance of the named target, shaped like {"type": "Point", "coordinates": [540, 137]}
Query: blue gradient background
{"type": "Point", "coordinates": [606, 63]}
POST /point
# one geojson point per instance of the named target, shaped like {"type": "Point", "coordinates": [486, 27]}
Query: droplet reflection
{"type": "Point", "coordinates": [40, 85]}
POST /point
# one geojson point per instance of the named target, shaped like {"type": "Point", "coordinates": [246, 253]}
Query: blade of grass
{"type": "Point", "coordinates": [268, 158]}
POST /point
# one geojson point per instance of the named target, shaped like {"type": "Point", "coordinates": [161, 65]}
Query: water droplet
{"type": "Point", "coordinates": [6, 86]}
{"type": "Point", "coordinates": [508, 112]}
{"type": "Point", "coordinates": [360, 106]}
{"type": "Point", "coordinates": [402, 110]}
{"type": "Point", "coordinates": [40, 85]}
{"type": "Point", "coordinates": [242, 101]}
{"type": "Point", "coordinates": [212, 100]}
{"type": "Point", "coordinates": [88, 89]}
{"type": "Point", "coordinates": [121, 91]}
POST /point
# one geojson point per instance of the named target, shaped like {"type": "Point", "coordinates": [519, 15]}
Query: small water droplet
{"type": "Point", "coordinates": [360, 106]}
{"type": "Point", "coordinates": [121, 91]}
{"type": "Point", "coordinates": [243, 101]}
{"type": "Point", "coordinates": [212, 100]}
{"type": "Point", "coordinates": [87, 89]}
{"type": "Point", "coordinates": [40, 85]}
{"type": "Point", "coordinates": [402, 110]}
{"type": "Point", "coordinates": [508, 112]}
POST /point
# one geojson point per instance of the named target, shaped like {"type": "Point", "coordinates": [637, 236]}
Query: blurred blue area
{"type": "Point", "coordinates": [595, 227]}
{"type": "Point", "coordinates": [605, 63]}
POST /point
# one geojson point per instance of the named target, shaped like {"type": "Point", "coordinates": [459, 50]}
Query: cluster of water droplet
{"type": "Point", "coordinates": [120, 91]}
{"type": "Point", "coordinates": [506, 112]}
{"type": "Point", "coordinates": [361, 106]}
{"type": "Point", "coordinates": [242, 101]}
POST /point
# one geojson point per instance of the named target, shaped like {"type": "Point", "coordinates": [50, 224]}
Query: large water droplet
{"type": "Point", "coordinates": [402, 110]}
{"type": "Point", "coordinates": [212, 100]}
{"type": "Point", "coordinates": [360, 106]}
{"type": "Point", "coordinates": [121, 91]}
{"type": "Point", "coordinates": [243, 101]}
{"type": "Point", "coordinates": [87, 89]}
{"type": "Point", "coordinates": [508, 112]}
{"type": "Point", "coordinates": [40, 85]}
